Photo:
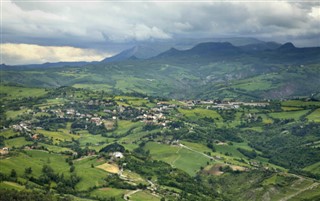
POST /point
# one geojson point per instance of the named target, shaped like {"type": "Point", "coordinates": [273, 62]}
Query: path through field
{"type": "Point", "coordinates": [127, 196]}
{"type": "Point", "coordinates": [184, 146]}
{"type": "Point", "coordinates": [172, 163]}
{"type": "Point", "coordinates": [300, 191]}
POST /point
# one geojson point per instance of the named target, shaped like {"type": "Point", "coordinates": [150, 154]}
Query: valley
{"type": "Point", "coordinates": [166, 100]}
{"type": "Point", "coordinates": [81, 144]}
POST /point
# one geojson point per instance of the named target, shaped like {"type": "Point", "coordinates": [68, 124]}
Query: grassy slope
{"type": "Point", "coordinates": [34, 159]}
{"type": "Point", "coordinates": [17, 142]}
{"type": "Point", "coordinates": [181, 158]}
{"type": "Point", "coordinates": [8, 133]}
{"type": "Point", "coordinates": [314, 168]}
{"type": "Point", "coordinates": [144, 196]}
{"type": "Point", "coordinates": [21, 92]}
{"type": "Point", "coordinates": [109, 192]}
{"type": "Point", "coordinates": [91, 176]}
{"type": "Point", "coordinates": [289, 115]}
{"type": "Point", "coordinates": [314, 116]}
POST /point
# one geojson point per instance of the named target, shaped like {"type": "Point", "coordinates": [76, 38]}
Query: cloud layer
{"type": "Point", "coordinates": [98, 25]}
{"type": "Point", "coordinates": [32, 54]}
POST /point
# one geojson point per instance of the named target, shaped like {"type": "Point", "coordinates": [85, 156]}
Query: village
{"type": "Point", "coordinates": [103, 113]}
{"type": "Point", "coordinates": [112, 111]}
{"type": "Point", "coordinates": [126, 140]}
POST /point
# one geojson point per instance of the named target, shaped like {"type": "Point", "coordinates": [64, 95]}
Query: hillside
{"type": "Point", "coordinates": [208, 70]}
{"type": "Point", "coordinates": [79, 144]}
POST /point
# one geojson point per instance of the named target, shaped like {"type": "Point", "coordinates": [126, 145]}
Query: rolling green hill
{"type": "Point", "coordinates": [63, 143]}
{"type": "Point", "coordinates": [207, 71]}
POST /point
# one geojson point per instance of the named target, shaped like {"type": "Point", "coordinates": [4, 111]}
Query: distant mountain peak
{"type": "Point", "coordinates": [287, 46]}
{"type": "Point", "coordinates": [136, 52]}
{"type": "Point", "coordinates": [173, 50]}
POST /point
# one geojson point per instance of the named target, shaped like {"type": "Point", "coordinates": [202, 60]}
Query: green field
{"type": "Point", "coordinates": [100, 87]}
{"type": "Point", "coordinates": [263, 82]}
{"type": "Point", "coordinates": [189, 161]}
{"type": "Point", "coordinates": [136, 134]}
{"type": "Point", "coordinates": [8, 133]}
{"type": "Point", "coordinates": [286, 109]}
{"type": "Point", "coordinates": [11, 185]}
{"type": "Point", "coordinates": [133, 101]}
{"type": "Point", "coordinates": [299, 103]}
{"type": "Point", "coordinates": [232, 149]}
{"type": "Point", "coordinates": [91, 176]}
{"type": "Point", "coordinates": [12, 114]}
{"type": "Point", "coordinates": [179, 157]}
{"type": "Point", "coordinates": [96, 142]}
{"type": "Point", "coordinates": [144, 196]}
{"type": "Point", "coordinates": [314, 116]}
{"type": "Point", "coordinates": [314, 168]}
{"type": "Point", "coordinates": [129, 84]}
{"type": "Point", "coordinates": [55, 149]}
{"type": "Point", "coordinates": [108, 193]}
{"type": "Point", "coordinates": [289, 115]}
{"type": "Point", "coordinates": [196, 146]}
{"type": "Point", "coordinates": [163, 152]}
{"type": "Point", "coordinates": [35, 159]}
{"type": "Point", "coordinates": [124, 126]}
{"type": "Point", "coordinates": [58, 136]}
{"type": "Point", "coordinates": [256, 84]}
{"type": "Point", "coordinates": [89, 139]}
{"type": "Point", "coordinates": [13, 92]}
{"type": "Point", "coordinates": [52, 102]}
{"type": "Point", "coordinates": [17, 142]}
{"type": "Point", "coordinates": [200, 113]}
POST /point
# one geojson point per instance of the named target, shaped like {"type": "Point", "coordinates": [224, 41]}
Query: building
{"type": "Point", "coordinates": [117, 154]}
{"type": "Point", "coordinates": [4, 151]}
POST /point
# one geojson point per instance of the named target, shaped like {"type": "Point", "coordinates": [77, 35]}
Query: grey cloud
{"type": "Point", "coordinates": [85, 24]}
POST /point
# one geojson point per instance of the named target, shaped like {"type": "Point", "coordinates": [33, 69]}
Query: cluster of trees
{"type": "Point", "coordinates": [250, 154]}
{"type": "Point", "coordinates": [113, 148]}
{"type": "Point", "coordinates": [90, 126]}
{"type": "Point", "coordinates": [64, 185]}
{"type": "Point", "coordinates": [51, 124]}
{"type": "Point", "coordinates": [13, 195]}
{"type": "Point", "coordinates": [210, 134]}
{"type": "Point", "coordinates": [149, 127]}
{"type": "Point", "coordinates": [227, 115]}
{"type": "Point", "coordinates": [287, 145]}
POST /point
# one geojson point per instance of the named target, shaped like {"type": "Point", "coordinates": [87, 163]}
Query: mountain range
{"type": "Point", "coordinates": [263, 70]}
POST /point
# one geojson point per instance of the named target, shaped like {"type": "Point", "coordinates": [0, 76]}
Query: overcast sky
{"type": "Point", "coordinates": [50, 31]}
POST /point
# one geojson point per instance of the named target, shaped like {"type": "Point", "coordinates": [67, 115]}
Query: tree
{"type": "Point", "coordinates": [72, 168]}
{"type": "Point", "coordinates": [28, 170]}
{"type": "Point", "coordinates": [13, 173]}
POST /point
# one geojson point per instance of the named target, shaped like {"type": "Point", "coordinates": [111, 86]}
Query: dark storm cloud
{"type": "Point", "coordinates": [99, 25]}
